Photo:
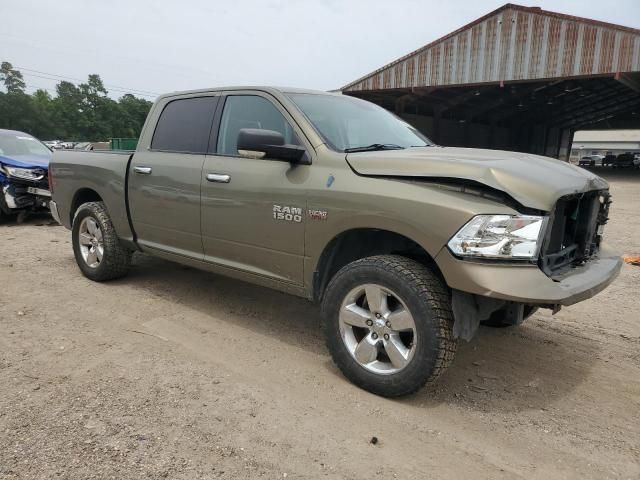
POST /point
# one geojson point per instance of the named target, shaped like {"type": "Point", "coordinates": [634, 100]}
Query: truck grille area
{"type": "Point", "coordinates": [575, 231]}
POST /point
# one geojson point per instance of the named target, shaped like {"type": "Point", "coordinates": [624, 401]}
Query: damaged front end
{"type": "Point", "coordinates": [501, 266]}
{"type": "Point", "coordinates": [24, 169]}
{"type": "Point", "coordinates": [24, 190]}
{"type": "Point", "coordinates": [575, 231]}
{"type": "Point", "coordinates": [569, 258]}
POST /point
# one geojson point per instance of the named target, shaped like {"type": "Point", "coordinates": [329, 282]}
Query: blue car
{"type": "Point", "coordinates": [24, 168]}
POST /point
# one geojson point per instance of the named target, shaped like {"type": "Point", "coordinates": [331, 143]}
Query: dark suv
{"type": "Point", "coordinates": [626, 160]}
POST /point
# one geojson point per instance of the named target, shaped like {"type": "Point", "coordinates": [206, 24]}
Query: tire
{"type": "Point", "coordinates": [115, 259]}
{"type": "Point", "coordinates": [407, 287]}
{"type": "Point", "coordinates": [497, 321]}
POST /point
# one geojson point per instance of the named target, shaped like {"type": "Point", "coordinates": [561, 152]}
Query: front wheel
{"type": "Point", "coordinates": [388, 324]}
{"type": "Point", "coordinates": [96, 246]}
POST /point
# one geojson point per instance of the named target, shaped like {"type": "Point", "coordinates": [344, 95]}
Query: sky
{"type": "Point", "coordinates": [152, 47]}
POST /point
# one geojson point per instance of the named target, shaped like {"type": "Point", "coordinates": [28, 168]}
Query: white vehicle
{"type": "Point", "coordinates": [53, 144]}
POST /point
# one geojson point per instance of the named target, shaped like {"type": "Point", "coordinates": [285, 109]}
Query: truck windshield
{"type": "Point", "coordinates": [350, 124]}
{"type": "Point", "coordinates": [22, 145]}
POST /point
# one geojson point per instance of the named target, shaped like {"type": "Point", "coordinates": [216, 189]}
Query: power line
{"type": "Point", "coordinates": [116, 88]}
{"type": "Point", "coordinates": [80, 80]}
{"type": "Point", "coordinates": [31, 86]}
{"type": "Point", "coordinates": [110, 89]}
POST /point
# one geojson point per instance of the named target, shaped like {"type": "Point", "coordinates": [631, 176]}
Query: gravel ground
{"type": "Point", "coordinates": [176, 373]}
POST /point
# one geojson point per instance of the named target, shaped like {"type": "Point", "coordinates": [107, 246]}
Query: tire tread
{"type": "Point", "coordinates": [427, 285]}
{"type": "Point", "coordinates": [117, 258]}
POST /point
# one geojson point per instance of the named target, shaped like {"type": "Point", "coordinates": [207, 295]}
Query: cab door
{"type": "Point", "coordinates": [164, 180]}
{"type": "Point", "coordinates": [254, 210]}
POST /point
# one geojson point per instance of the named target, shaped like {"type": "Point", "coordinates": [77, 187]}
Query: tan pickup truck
{"type": "Point", "coordinates": [406, 245]}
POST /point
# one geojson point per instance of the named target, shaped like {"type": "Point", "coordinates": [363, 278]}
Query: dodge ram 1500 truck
{"type": "Point", "coordinates": [406, 245]}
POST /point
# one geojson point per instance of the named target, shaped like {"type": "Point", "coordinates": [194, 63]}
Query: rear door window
{"type": "Point", "coordinates": [184, 125]}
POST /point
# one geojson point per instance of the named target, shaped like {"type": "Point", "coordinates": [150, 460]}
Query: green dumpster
{"type": "Point", "coordinates": [124, 143]}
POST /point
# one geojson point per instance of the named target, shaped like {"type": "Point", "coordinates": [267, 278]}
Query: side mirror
{"type": "Point", "coordinates": [269, 144]}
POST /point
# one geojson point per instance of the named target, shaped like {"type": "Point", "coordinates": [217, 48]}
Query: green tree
{"type": "Point", "coordinates": [67, 111]}
{"type": "Point", "coordinates": [134, 111]}
{"type": "Point", "coordinates": [16, 111]}
{"type": "Point", "coordinates": [12, 79]}
{"type": "Point", "coordinates": [78, 113]}
{"type": "Point", "coordinates": [95, 108]}
{"type": "Point", "coordinates": [43, 110]}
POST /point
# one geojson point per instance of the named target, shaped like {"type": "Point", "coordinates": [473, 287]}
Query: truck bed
{"type": "Point", "coordinates": [78, 176]}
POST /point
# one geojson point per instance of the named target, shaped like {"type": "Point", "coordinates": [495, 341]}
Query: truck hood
{"type": "Point", "coordinates": [26, 161]}
{"type": "Point", "coordinates": [532, 180]}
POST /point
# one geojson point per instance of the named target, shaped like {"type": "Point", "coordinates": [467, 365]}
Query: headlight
{"type": "Point", "coordinates": [500, 237]}
{"type": "Point", "coordinates": [25, 173]}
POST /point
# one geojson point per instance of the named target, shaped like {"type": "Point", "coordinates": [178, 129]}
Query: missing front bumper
{"type": "Point", "coordinates": [15, 198]}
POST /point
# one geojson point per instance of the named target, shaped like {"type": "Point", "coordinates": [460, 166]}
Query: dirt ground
{"type": "Point", "coordinates": [176, 373]}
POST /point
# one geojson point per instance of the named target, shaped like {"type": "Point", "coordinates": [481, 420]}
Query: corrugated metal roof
{"type": "Point", "coordinates": [607, 136]}
{"type": "Point", "coordinates": [513, 43]}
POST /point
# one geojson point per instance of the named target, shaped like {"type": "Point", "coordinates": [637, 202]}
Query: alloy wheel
{"type": "Point", "coordinates": [91, 242]}
{"type": "Point", "coordinates": [377, 329]}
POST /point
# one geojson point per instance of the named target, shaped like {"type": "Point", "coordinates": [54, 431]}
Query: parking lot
{"type": "Point", "coordinates": [176, 373]}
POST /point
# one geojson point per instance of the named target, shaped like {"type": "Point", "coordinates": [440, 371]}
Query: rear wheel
{"type": "Point", "coordinates": [96, 247]}
{"type": "Point", "coordinates": [388, 324]}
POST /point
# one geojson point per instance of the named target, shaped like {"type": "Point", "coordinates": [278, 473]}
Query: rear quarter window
{"type": "Point", "coordinates": [184, 125]}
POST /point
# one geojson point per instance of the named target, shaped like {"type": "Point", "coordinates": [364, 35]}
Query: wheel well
{"type": "Point", "coordinates": [359, 243]}
{"type": "Point", "coordinates": [83, 195]}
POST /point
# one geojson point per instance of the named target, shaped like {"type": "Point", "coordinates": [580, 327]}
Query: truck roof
{"type": "Point", "coordinates": [268, 89]}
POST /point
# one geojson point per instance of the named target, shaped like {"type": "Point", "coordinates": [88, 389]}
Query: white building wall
{"type": "Point", "coordinates": [580, 149]}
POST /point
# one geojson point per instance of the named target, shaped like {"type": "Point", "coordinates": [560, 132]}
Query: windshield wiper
{"type": "Point", "coordinates": [373, 147]}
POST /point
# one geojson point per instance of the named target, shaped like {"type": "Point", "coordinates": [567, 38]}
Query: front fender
{"type": "Point", "coordinates": [421, 212]}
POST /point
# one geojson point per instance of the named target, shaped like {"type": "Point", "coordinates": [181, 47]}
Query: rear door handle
{"type": "Point", "coordinates": [218, 177]}
{"type": "Point", "coordinates": [142, 170]}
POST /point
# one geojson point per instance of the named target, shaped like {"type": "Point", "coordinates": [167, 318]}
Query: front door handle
{"type": "Point", "coordinates": [218, 177]}
{"type": "Point", "coordinates": [142, 170]}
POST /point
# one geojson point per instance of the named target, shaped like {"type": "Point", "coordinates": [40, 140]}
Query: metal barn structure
{"type": "Point", "coordinates": [519, 78]}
